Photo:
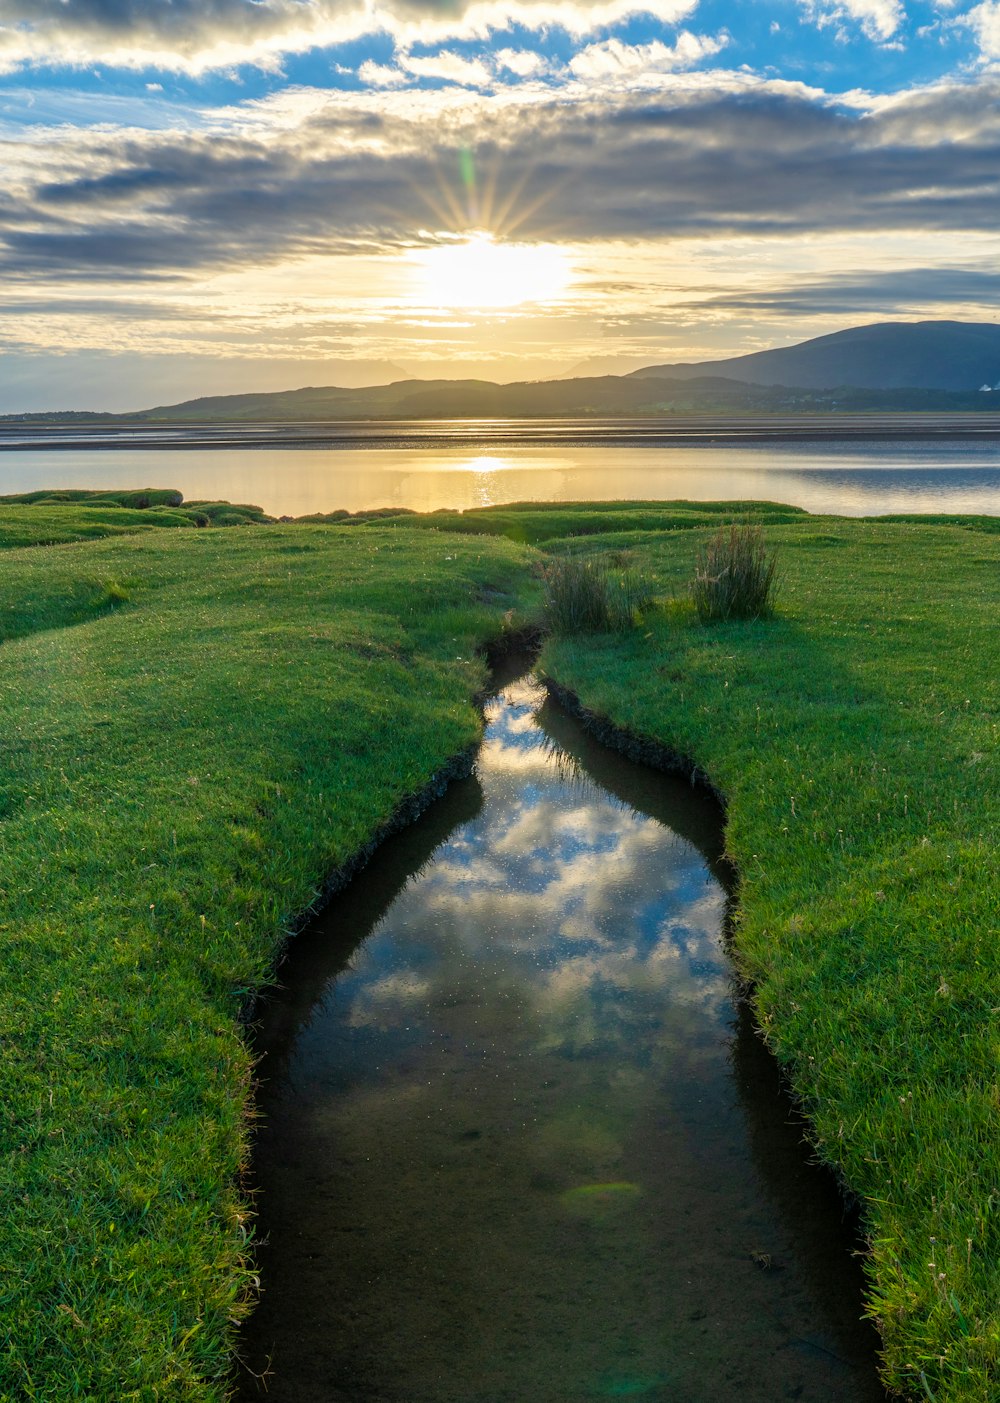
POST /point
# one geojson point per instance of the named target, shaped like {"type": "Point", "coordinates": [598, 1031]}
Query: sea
{"type": "Point", "coordinates": [848, 468]}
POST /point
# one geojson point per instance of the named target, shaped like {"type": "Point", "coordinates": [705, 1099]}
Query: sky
{"type": "Point", "coordinates": [215, 196]}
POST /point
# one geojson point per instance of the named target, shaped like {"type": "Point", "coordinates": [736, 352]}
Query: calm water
{"type": "Point", "coordinates": [519, 1144]}
{"type": "Point", "coordinates": [461, 469]}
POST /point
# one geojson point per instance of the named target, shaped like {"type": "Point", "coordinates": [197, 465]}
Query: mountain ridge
{"type": "Point", "coordinates": [887, 367]}
{"type": "Point", "coordinates": [933, 355]}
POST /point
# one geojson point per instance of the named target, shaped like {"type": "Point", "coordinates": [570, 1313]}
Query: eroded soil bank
{"type": "Point", "coordinates": [519, 1140]}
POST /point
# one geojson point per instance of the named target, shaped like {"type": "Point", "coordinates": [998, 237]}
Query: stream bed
{"type": "Point", "coordinates": [519, 1142]}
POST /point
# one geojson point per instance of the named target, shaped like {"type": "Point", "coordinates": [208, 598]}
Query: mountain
{"type": "Point", "coordinates": [498, 370]}
{"type": "Point", "coordinates": [607, 396]}
{"type": "Point", "coordinates": [895, 366]}
{"type": "Point", "coordinates": [603, 365]}
{"type": "Point", "coordinates": [887, 355]}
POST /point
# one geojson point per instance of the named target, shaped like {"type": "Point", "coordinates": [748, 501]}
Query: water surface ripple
{"type": "Point", "coordinates": [519, 1142]}
{"type": "Point", "coordinates": [293, 470]}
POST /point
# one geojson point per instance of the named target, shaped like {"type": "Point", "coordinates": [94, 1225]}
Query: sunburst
{"type": "Point", "coordinates": [477, 270]}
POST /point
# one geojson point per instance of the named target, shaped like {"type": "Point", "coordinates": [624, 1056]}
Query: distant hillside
{"type": "Point", "coordinates": [888, 355]}
{"type": "Point", "coordinates": [595, 366]}
{"type": "Point", "coordinates": [605, 396]}
{"type": "Point", "coordinates": [920, 366]}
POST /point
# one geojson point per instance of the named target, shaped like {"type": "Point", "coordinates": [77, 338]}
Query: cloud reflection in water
{"type": "Point", "coordinates": [507, 1150]}
{"type": "Point", "coordinates": [596, 917]}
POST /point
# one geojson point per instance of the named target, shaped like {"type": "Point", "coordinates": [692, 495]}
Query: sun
{"type": "Point", "coordinates": [478, 271]}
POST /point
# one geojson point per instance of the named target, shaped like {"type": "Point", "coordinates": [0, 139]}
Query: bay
{"type": "Point", "coordinates": [296, 470]}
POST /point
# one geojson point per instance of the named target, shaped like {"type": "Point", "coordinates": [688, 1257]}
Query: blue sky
{"type": "Point", "coordinates": [227, 194]}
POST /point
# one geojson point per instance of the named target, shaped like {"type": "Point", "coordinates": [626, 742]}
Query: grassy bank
{"type": "Point", "coordinates": [48, 518]}
{"type": "Point", "coordinates": [855, 738]}
{"type": "Point", "coordinates": [199, 726]}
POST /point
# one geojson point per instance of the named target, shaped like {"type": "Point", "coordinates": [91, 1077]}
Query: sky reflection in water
{"type": "Point", "coordinates": [506, 1153]}
{"type": "Point", "coordinates": [589, 917]}
{"type": "Point", "coordinates": [851, 479]}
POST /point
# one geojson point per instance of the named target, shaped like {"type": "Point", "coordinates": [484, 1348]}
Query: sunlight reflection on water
{"type": "Point", "coordinates": [845, 478]}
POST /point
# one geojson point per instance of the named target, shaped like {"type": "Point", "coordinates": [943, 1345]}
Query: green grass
{"type": "Point", "coordinates": [734, 575]}
{"type": "Point", "coordinates": [55, 517]}
{"type": "Point", "coordinates": [198, 727]}
{"type": "Point", "coordinates": [136, 497]}
{"type": "Point", "coordinates": [532, 524]}
{"type": "Point", "coordinates": [855, 738]}
{"type": "Point", "coordinates": [595, 595]}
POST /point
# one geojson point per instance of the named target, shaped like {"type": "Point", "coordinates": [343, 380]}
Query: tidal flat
{"type": "Point", "coordinates": [204, 724]}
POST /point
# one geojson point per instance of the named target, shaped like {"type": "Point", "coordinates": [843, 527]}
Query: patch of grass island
{"type": "Point", "coordinates": [202, 725]}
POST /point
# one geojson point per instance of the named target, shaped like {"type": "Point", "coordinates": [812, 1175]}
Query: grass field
{"type": "Point", "coordinates": [185, 763]}
{"type": "Point", "coordinates": [200, 725]}
{"type": "Point", "coordinates": [55, 518]}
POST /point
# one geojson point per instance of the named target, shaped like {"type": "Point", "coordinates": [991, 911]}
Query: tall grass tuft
{"type": "Point", "coordinates": [734, 576]}
{"type": "Point", "coordinates": [588, 596]}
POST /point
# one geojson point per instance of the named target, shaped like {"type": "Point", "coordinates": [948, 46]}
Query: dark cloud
{"type": "Point", "coordinates": [903, 289]}
{"type": "Point", "coordinates": [203, 35]}
{"type": "Point", "coordinates": [729, 163]}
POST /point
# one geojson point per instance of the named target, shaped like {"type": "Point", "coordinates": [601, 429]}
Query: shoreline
{"type": "Point", "coordinates": [405, 434]}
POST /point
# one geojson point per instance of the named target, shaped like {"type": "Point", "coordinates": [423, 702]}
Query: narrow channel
{"type": "Point", "coordinates": [518, 1141]}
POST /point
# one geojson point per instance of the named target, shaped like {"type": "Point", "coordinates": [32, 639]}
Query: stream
{"type": "Point", "coordinates": [519, 1142]}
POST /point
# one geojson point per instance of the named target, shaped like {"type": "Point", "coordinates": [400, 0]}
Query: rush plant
{"type": "Point", "coordinates": [589, 596]}
{"type": "Point", "coordinates": [734, 575]}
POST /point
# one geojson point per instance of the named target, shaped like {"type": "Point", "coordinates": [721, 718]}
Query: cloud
{"type": "Point", "coordinates": [613, 59]}
{"type": "Point", "coordinates": [378, 75]}
{"type": "Point", "coordinates": [902, 289]}
{"type": "Point", "coordinates": [879, 19]}
{"type": "Point", "coordinates": [984, 21]}
{"type": "Point", "coordinates": [524, 62]}
{"type": "Point", "coordinates": [450, 68]}
{"type": "Point", "coordinates": [194, 37]}
{"type": "Point", "coordinates": [691, 155]}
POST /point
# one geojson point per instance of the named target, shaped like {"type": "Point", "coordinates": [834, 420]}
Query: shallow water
{"type": "Point", "coordinates": [454, 466]}
{"type": "Point", "coordinates": [519, 1143]}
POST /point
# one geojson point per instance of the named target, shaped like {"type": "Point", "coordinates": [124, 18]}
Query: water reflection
{"type": "Point", "coordinates": [847, 478]}
{"type": "Point", "coordinates": [505, 1156]}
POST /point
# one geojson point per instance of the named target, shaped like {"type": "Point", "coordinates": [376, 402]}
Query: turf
{"type": "Point", "coordinates": [855, 739]}
{"type": "Point", "coordinates": [188, 755]}
{"type": "Point", "coordinates": [54, 517]}
{"type": "Point", "coordinates": [533, 524]}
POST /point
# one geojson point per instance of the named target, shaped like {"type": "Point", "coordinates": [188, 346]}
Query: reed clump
{"type": "Point", "coordinates": [734, 575]}
{"type": "Point", "coordinates": [589, 596]}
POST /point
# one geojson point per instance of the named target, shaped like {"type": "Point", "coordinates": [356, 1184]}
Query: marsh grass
{"type": "Point", "coordinates": [544, 523]}
{"type": "Point", "coordinates": [48, 518]}
{"type": "Point", "coordinates": [855, 739]}
{"type": "Point", "coordinates": [182, 771]}
{"type": "Point", "coordinates": [734, 575]}
{"type": "Point", "coordinates": [592, 595]}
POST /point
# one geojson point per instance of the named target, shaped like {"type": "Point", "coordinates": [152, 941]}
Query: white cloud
{"type": "Point", "coordinates": [613, 59]}
{"type": "Point", "coordinates": [984, 21]}
{"type": "Point", "coordinates": [879, 19]}
{"type": "Point", "coordinates": [524, 62]}
{"type": "Point", "coordinates": [378, 75]}
{"type": "Point", "coordinates": [450, 67]}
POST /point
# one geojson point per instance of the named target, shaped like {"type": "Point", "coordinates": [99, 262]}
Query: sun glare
{"type": "Point", "coordinates": [480, 272]}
